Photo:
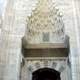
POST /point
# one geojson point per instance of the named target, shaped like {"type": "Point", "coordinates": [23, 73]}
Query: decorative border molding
{"type": "Point", "coordinates": [46, 58]}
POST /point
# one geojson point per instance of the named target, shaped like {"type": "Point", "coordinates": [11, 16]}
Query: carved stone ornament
{"type": "Point", "coordinates": [46, 18]}
{"type": "Point", "coordinates": [35, 65]}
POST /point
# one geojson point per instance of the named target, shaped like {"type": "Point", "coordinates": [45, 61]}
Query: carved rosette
{"type": "Point", "coordinates": [46, 18]}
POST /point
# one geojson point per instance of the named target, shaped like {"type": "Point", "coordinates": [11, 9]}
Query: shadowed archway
{"type": "Point", "coordinates": [46, 74]}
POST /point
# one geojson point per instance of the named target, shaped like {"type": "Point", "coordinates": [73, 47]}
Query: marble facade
{"type": "Point", "coordinates": [14, 27]}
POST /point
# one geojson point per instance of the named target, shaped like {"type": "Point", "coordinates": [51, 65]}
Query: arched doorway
{"type": "Point", "coordinates": [46, 74]}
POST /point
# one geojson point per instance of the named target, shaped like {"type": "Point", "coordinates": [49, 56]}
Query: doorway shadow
{"type": "Point", "coordinates": [46, 74]}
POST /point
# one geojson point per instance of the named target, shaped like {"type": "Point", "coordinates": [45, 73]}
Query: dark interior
{"type": "Point", "coordinates": [46, 74]}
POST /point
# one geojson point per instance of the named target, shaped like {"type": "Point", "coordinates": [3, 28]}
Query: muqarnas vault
{"type": "Point", "coordinates": [45, 46]}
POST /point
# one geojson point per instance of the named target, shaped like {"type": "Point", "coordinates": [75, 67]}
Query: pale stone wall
{"type": "Point", "coordinates": [76, 56]}
{"type": "Point", "coordinates": [13, 29]}
{"type": "Point", "coordinates": [10, 46]}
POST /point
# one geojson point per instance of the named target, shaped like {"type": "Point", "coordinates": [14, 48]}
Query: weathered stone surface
{"type": "Point", "coordinates": [30, 66]}
{"type": "Point", "coordinates": [14, 23]}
